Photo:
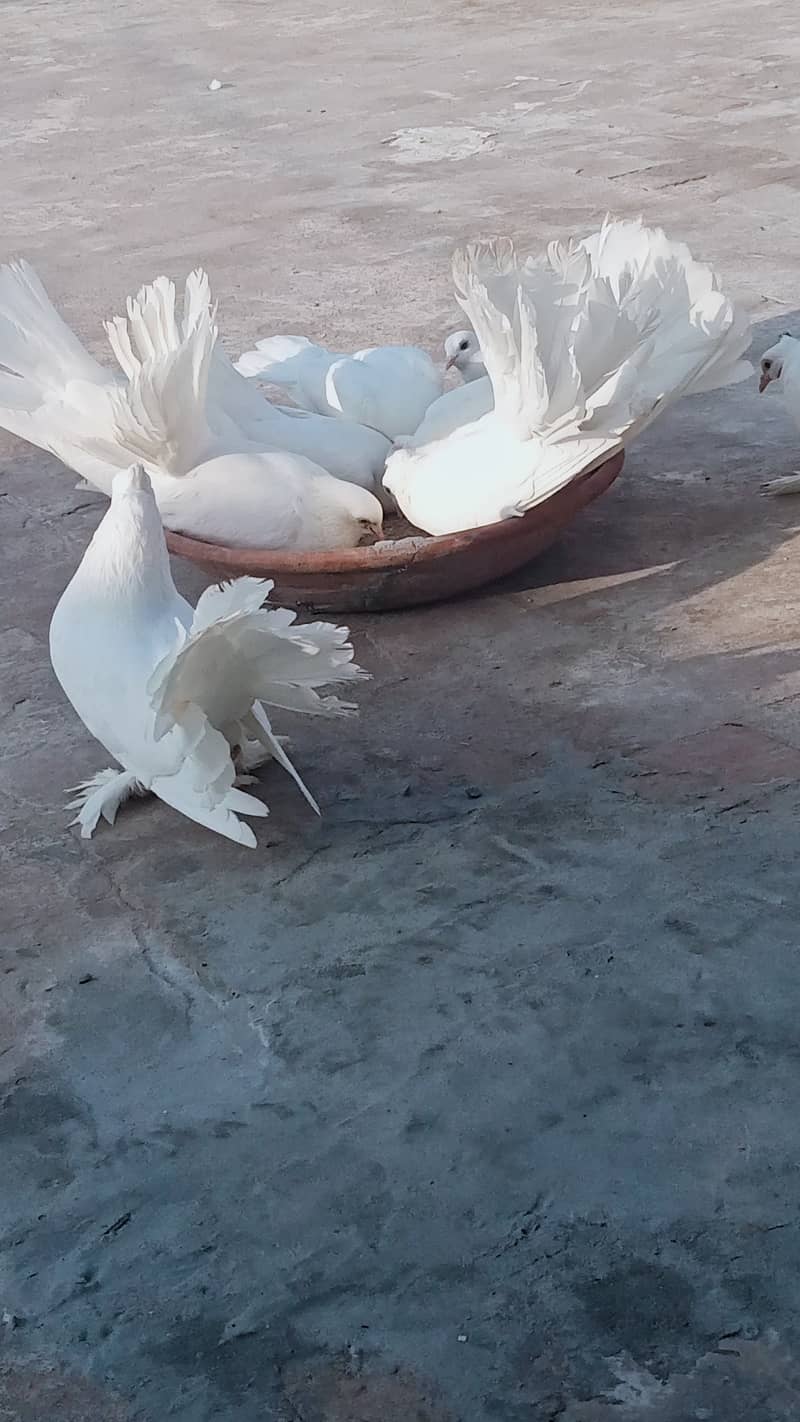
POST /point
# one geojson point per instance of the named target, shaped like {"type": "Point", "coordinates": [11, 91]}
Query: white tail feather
{"type": "Point", "coordinates": [237, 643]}
{"type": "Point", "coordinates": [161, 416]}
{"type": "Point", "coordinates": [40, 357]}
{"type": "Point", "coordinates": [220, 818]}
{"type": "Point", "coordinates": [36, 345]}
{"type": "Point", "coordinates": [270, 360]}
{"type": "Point", "coordinates": [204, 788]}
{"type": "Point", "coordinates": [238, 654]}
{"type": "Point", "coordinates": [54, 394]}
{"type": "Point", "coordinates": [583, 349]}
{"type": "Point", "coordinates": [601, 336]}
{"type": "Point", "coordinates": [259, 724]}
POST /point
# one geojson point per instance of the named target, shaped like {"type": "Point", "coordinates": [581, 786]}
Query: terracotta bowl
{"type": "Point", "coordinates": [410, 568]}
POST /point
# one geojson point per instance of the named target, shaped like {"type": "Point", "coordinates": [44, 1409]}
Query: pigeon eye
{"type": "Point", "coordinates": [464, 346]}
{"type": "Point", "coordinates": [767, 364]}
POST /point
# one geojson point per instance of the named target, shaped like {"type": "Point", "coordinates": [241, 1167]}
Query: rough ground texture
{"type": "Point", "coordinates": [477, 1099]}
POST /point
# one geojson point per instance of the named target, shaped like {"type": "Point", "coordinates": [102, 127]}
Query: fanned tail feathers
{"type": "Point", "coordinates": [160, 416]}
{"type": "Point", "coordinates": [236, 642]}
{"type": "Point", "coordinates": [53, 393]}
{"type": "Point", "coordinates": [236, 656]}
{"type": "Point", "coordinates": [600, 337]}
{"type": "Point", "coordinates": [698, 326]}
{"type": "Point", "coordinates": [40, 357]}
{"type": "Point", "coordinates": [204, 788]}
{"type": "Point", "coordinates": [257, 721]}
{"type": "Point", "coordinates": [36, 345]}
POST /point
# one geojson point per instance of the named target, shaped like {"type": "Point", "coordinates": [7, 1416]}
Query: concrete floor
{"type": "Point", "coordinates": [478, 1099]}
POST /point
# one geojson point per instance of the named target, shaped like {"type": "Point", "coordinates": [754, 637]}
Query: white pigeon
{"type": "Point", "coordinates": [583, 349]}
{"type": "Point", "coordinates": [463, 353]}
{"type": "Point", "coordinates": [388, 388]}
{"type": "Point", "coordinates": [177, 694]}
{"type": "Point", "coordinates": [462, 405]}
{"type": "Point", "coordinates": [780, 367]}
{"type": "Point", "coordinates": [344, 448]}
{"type": "Point", "coordinates": [205, 436]}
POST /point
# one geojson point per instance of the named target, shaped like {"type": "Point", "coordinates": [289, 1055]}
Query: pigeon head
{"type": "Point", "coordinates": [462, 351]}
{"type": "Point", "coordinates": [351, 516]}
{"type": "Point", "coordinates": [131, 482]}
{"type": "Point", "coordinates": [134, 512]}
{"type": "Point", "coordinates": [367, 513]}
{"type": "Point", "coordinates": [774, 360]}
{"type": "Point", "coordinates": [128, 545]}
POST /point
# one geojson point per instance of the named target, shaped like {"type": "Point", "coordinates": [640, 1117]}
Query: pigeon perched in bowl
{"type": "Point", "coordinates": [583, 349]}
{"type": "Point", "coordinates": [226, 465]}
{"type": "Point", "coordinates": [388, 388]}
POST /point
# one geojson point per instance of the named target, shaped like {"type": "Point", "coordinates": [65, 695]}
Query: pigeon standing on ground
{"type": "Point", "coordinates": [583, 350]}
{"type": "Point", "coordinates": [205, 436]}
{"type": "Point", "coordinates": [177, 695]}
{"type": "Point", "coordinates": [388, 388]}
{"type": "Point", "coordinates": [780, 367]}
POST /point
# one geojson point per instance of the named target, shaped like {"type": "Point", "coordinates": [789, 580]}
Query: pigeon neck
{"type": "Point", "coordinates": [129, 553]}
{"type": "Point", "coordinates": [473, 370]}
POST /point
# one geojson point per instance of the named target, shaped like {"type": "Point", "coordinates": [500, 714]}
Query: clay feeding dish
{"type": "Point", "coordinates": [408, 568]}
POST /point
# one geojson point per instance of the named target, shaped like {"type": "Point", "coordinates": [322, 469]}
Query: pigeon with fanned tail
{"type": "Point", "coordinates": [583, 350]}
{"type": "Point", "coordinates": [388, 388]}
{"type": "Point", "coordinates": [178, 695]}
{"type": "Point", "coordinates": [226, 466]}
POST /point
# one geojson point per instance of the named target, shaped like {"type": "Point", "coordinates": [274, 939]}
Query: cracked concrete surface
{"type": "Point", "coordinates": [477, 1099]}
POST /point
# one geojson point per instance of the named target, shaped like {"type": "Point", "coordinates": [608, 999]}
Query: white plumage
{"type": "Point", "coordinates": [346, 449]}
{"type": "Point", "coordinates": [172, 692]}
{"type": "Point", "coordinates": [583, 349]}
{"type": "Point", "coordinates": [463, 353]}
{"type": "Point", "coordinates": [780, 367]}
{"type": "Point", "coordinates": [225, 465]}
{"type": "Point", "coordinates": [388, 388]}
{"type": "Point", "coordinates": [461, 406]}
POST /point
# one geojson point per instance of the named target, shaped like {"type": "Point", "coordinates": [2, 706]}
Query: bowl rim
{"type": "Point", "coordinates": [391, 553]}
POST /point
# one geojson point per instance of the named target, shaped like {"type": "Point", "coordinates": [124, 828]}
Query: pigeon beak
{"type": "Point", "coordinates": [132, 481]}
{"type": "Point", "coordinates": [448, 365]}
{"type": "Point", "coordinates": [764, 382]}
